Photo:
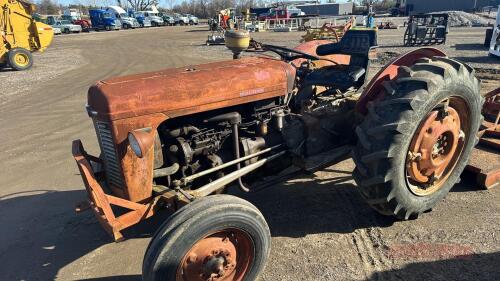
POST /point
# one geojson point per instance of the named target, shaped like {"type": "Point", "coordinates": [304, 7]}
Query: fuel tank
{"type": "Point", "coordinates": [191, 89]}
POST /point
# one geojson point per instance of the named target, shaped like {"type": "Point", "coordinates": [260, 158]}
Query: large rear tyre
{"type": "Point", "coordinates": [20, 59]}
{"type": "Point", "coordinates": [220, 237]}
{"type": "Point", "coordinates": [415, 142]}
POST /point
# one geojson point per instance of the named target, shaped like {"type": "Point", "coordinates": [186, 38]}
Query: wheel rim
{"type": "Point", "coordinates": [437, 146]}
{"type": "Point", "coordinates": [222, 256]}
{"type": "Point", "coordinates": [21, 59]}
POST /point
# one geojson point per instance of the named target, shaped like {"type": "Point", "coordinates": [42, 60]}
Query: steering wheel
{"type": "Point", "coordinates": [285, 53]}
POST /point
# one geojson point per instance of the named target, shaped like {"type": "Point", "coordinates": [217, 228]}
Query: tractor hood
{"type": "Point", "coordinates": [181, 91]}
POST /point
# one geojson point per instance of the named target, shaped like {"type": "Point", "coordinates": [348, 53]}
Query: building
{"type": "Point", "coordinates": [328, 9]}
{"type": "Point", "coordinates": [428, 6]}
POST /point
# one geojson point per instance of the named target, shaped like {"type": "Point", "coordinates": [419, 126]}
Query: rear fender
{"type": "Point", "coordinates": [310, 48]}
{"type": "Point", "coordinates": [374, 88]}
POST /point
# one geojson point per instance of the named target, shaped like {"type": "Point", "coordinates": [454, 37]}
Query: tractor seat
{"type": "Point", "coordinates": [355, 43]}
{"type": "Point", "coordinates": [339, 76]}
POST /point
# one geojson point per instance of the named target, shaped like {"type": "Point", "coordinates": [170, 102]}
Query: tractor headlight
{"type": "Point", "coordinates": [140, 141]}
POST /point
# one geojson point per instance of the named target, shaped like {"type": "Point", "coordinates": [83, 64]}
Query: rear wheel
{"type": "Point", "coordinates": [20, 59]}
{"type": "Point", "coordinates": [220, 237]}
{"type": "Point", "coordinates": [415, 142]}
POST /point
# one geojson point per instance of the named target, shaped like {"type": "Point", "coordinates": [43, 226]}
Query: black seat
{"type": "Point", "coordinates": [355, 43]}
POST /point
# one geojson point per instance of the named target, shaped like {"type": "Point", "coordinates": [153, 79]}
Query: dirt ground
{"type": "Point", "coordinates": [321, 228]}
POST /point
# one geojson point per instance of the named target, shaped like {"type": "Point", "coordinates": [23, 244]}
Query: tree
{"type": "Point", "coordinates": [48, 7]}
{"type": "Point", "coordinates": [142, 5]}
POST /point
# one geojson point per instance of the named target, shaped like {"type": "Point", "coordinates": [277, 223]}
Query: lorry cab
{"type": "Point", "coordinates": [142, 19]}
{"type": "Point", "coordinates": [102, 19]}
{"type": "Point", "coordinates": [125, 20]}
{"type": "Point", "coordinates": [153, 17]}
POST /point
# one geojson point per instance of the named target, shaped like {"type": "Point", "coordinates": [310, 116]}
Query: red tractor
{"type": "Point", "coordinates": [178, 138]}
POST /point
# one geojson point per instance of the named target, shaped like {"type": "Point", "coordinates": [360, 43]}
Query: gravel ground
{"type": "Point", "coordinates": [321, 228]}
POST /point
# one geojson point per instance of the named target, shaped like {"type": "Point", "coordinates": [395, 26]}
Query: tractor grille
{"type": "Point", "coordinates": [113, 170]}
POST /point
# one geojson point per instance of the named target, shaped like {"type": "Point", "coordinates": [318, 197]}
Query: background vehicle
{"type": "Point", "coordinates": [104, 20]}
{"type": "Point", "coordinates": [494, 49]}
{"type": "Point", "coordinates": [180, 19]}
{"type": "Point", "coordinates": [56, 30]}
{"type": "Point", "coordinates": [75, 17]}
{"type": "Point", "coordinates": [178, 138]}
{"type": "Point", "coordinates": [142, 19]}
{"type": "Point", "coordinates": [281, 13]}
{"type": "Point", "coordinates": [64, 25]}
{"type": "Point", "coordinates": [126, 21]}
{"type": "Point", "coordinates": [21, 34]}
{"type": "Point", "coordinates": [192, 20]}
{"type": "Point", "coordinates": [153, 17]}
{"type": "Point", "coordinates": [167, 19]}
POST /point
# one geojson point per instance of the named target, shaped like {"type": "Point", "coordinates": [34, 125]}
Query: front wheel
{"type": "Point", "coordinates": [415, 142]}
{"type": "Point", "coordinates": [20, 59]}
{"type": "Point", "coordinates": [220, 237]}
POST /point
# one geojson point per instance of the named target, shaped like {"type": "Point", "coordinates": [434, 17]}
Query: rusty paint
{"type": "Point", "coordinates": [224, 255]}
{"type": "Point", "coordinates": [176, 92]}
{"type": "Point", "coordinates": [137, 172]}
{"type": "Point", "coordinates": [436, 146]}
{"type": "Point", "coordinates": [310, 48]}
{"type": "Point", "coordinates": [100, 203]}
{"type": "Point", "coordinates": [374, 89]}
{"type": "Point", "coordinates": [484, 161]}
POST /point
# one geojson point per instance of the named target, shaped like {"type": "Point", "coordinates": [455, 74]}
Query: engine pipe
{"type": "Point", "coordinates": [236, 141]}
{"type": "Point", "coordinates": [190, 178]}
{"type": "Point", "coordinates": [221, 182]}
{"type": "Point", "coordinates": [167, 171]}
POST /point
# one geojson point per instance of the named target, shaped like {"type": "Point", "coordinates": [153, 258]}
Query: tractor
{"type": "Point", "coordinates": [179, 138]}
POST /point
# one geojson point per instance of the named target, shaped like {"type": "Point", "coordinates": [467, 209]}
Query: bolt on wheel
{"type": "Point", "coordinates": [214, 238]}
{"type": "Point", "coordinates": [224, 255]}
{"type": "Point", "coordinates": [436, 147]}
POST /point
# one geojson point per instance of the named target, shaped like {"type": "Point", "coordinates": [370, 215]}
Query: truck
{"type": "Point", "coordinates": [494, 48]}
{"type": "Point", "coordinates": [142, 19]}
{"type": "Point", "coordinates": [167, 19]}
{"type": "Point", "coordinates": [182, 138]}
{"type": "Point", "coordinates": [126, 21]}
{"type": "Point", "coordinates": [75, 16]}
{"type": "Point", "coordinates": [21, 34]}
{"type": "Point", "coordinates": [180, 19]}
{"type": "Point", "coordinates": [104, 20]}
{"type": "Point", "coordinates": [152, 17]}
{"type": "Point", "coordinates": [192, 20]}
{"type": "Point", "coordinates": [65, 26]}
{"type": "Point", "coordinates": [281, 13]}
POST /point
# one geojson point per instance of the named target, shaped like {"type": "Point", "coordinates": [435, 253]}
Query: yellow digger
{"type": "Point", "coordinates": [21, 34]}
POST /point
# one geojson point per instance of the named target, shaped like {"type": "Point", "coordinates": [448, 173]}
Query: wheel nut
{"type": "Point", "coordinates": [192, 258]}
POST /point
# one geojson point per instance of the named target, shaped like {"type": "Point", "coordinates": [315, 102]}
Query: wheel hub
{"type": "Point", "coordinates": [221, 256]}
{"type": "Point", "coordinates": [433, 148]}
{"type": "Point", "coordinates": [21, 59]}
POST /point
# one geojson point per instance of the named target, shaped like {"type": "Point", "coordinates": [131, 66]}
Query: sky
{"type": "Point", "coordinates": [163, 3]}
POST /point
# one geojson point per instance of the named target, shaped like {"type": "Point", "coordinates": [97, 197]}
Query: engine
{"type": "Point", "coordinates": [200, 142]}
